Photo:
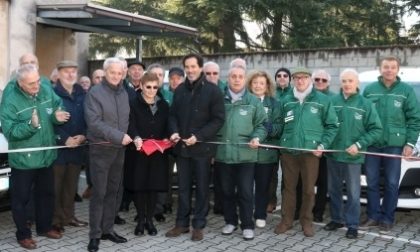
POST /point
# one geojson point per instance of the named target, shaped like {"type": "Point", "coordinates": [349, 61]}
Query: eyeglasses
{"type": "Point", "coordinates": [321, 80]}
{"type": "Point", "coordinates": [282, 76]}
{"type": "Point", "coordinates": [150, 87]}
{"type": "Point", "coordinates": [212, 73]}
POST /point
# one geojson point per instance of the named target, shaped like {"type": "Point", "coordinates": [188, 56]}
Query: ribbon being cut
{"type": "Point", "coordinates": [151, 145]}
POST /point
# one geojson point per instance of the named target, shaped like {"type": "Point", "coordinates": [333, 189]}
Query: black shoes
{"type": "Point", "coordinates": [139, 230]}
{"type": "Point", "coordinates": [93, 245]}
{"type": "Point", "coordinates": [167, 209]}
{"type": "Point", "coordinates": [118, 220]}
{"type": "Point", "coordinates": [351, 233]}
{"type": "Point", "coordinates": [332, 226]}
{"type": "Point", "coordinates": [318, 218]}
{"type": "Point", "coordinates": [77, 198]}
{"type": "Point", "coordinates": [151, 229]}
{"type": "Point", "coordinates": [114, 237]}
{"type": "Point", "coordinates": [159, 217]}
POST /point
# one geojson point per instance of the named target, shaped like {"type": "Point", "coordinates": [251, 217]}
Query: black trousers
{"type": "Point", "coordinates": [21, 184]}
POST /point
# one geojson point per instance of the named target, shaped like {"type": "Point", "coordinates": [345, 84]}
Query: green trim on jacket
{"type": "Point", "coordinates": [398, 110]}
{"type": "Point", "coordinates": [310, 124]}
{"type": "Point", "coordinates": [16, 112]}
{"type": "Point", "coordinates": [359, 124]}
{"type": "Point", "coordinates": [244, 121]}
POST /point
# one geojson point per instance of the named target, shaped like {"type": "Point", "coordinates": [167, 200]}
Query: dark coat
{"type": "Point", "coordinates": [197, 109]}
{"type": "Point", "coordinates": [76, 125]}
{"type": "Point", "coordinates": [148, 173]}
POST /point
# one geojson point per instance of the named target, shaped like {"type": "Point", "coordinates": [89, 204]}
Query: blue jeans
{"type": "Point", "coordinates": [237, 185]}
{"type": "Point", "coordinates": [21, 184]}
{"type": "Point", "coordinates": [392, 173]}
{"type": "Point", "coordinates": [187, 169]}
{"type": "Point", "coordinates": [262, 177]}
{"type": "Point", "coordinates": [350, 174]}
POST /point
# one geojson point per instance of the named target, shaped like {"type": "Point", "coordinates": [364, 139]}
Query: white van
{"type": "Point", "coordinates": [409, 190]}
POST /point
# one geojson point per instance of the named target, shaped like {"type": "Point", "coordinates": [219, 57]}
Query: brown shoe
{"type": "Point", "coordinates": [59, 228]}
{"type": "Point", "coordinates": [270, 208]}
{"type": "Point", "coordinates": [177, 231]}
{"type": "Point", "coordinates": [281, 228]}
{"type": "Point", "coordinates": [52, 234]}
{"type": "Point", "coordinates": [87, 193]}
{"type": "Point", "coordinates": [308, 231]}
{"type": "Point", "coordinates": [27, 243]}
{"type": "Point", "coordinates": [77, 223]}
{"type": "Point", "coordinates": [197, 234]}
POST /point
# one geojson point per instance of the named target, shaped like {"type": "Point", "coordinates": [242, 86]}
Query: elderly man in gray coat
{"type": "Point", "coordinates": [107, 115]}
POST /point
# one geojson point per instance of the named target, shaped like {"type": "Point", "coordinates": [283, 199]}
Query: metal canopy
{"type": "Point", "coordinates": [82, 16]}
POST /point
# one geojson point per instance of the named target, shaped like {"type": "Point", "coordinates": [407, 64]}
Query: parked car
{"type": "Point", "coordinates": [409, 189]}
{"type": "Point", "coordinates": [4, 173]}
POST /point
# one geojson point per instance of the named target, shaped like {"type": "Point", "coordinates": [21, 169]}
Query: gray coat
{"type": "Point", "coordinates": [107, 113]}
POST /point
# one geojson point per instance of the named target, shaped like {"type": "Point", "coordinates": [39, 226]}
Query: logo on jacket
{"type": "Point", "coordinates": [243, 112]}
{"type": "Point", "coordinates": [49, 110]}
{"type": "Point", "coordinates": [397, 104]}
{"type": "Point", "coordinates": [358, 116]}
{"type": "Point", "coordinates": [289, 116]}
{"type": "Point", "coordinates": [314, 110]}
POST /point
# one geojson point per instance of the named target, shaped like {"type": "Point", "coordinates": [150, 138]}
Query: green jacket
{"type": "Point", "coordinates": [273, 126]}
{"type": "Point", "coordinates": [359, 124]}
{"type": "Point", "coordinates": [398, 110]}
{"type": "Point", "coordinates": [222, 85]}
{"type": "Point", "coordinates": [310, 124]}
{"type": "Point", "coordinates": [16, 112]}
{"type": "Point", "coordinates": [244, 121]}
{"type": "Point", "coordinates": [167, 94]}
{"type": "Point", "coordinates": [282, 92]}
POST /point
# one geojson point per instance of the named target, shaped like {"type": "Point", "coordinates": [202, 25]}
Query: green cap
{"type": "Point", "coordinates": [301, 70]}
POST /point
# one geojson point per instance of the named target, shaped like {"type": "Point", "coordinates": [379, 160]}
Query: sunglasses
{"type": "Point", "coordinates": [282, 76]}
{"type": "Point", "coordinates": [212, 73]}
{"type": "Point", "coordinates": [150, 87]}
{"type": "Point", "coordinates": [321, 80]}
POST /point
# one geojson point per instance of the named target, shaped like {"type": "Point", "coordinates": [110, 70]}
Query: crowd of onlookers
{"type": "Point", "coordinates": [127, 129]}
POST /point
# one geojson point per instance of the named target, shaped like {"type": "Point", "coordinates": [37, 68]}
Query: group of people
{"type": "Point", "coordinates": [240, 130]}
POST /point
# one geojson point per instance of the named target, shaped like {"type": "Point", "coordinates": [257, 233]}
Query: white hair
{"type": "Point", "coordinates": [236, 67]}
{"type": "Point", "coordinates": [321, 72]}
{"type": "Point", "coordinates": [24, 69]}
{"type": "Point", "coordinates": [155, 65]}
{"type": "Point", "coordinates": [109, 61]}
{"type": "Point", "coordinates": [211, 63]}
{"type": "Point", "coordinates": [238, 62]}
{"type": "Point", "coordinates": [349, 71]}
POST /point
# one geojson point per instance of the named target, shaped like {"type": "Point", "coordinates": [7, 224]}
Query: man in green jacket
{"type": "Point", "coordinates": [242, 132]}
{"type": "Point", "coordinates": [359, 127]}
{"type": "Point", "coordinates": [310, 122]}
{"type": "Point", "coordinates": [28, 113]}
{"type": "Point", "coordinates": [398, 110]}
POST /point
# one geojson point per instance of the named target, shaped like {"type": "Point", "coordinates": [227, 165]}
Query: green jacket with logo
{"type": "Point", "coordinates": [272, 109]}
{"type": "Point", "coordinates": [310, 124]}
{"type": "Point", "coordinates": [244, 121]}
{"type": "Point", "coordinates": [16, 113]}
{"type": "Point", "coordinates": [359, 124]}
{"type": "Point", "coordinates": [398, 110]}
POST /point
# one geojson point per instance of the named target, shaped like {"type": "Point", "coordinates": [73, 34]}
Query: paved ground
{"type": "Point", "coordinates": [404, 237]}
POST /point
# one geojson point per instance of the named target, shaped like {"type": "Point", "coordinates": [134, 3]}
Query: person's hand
{"type": "Point", "coordinates": [35, 119]}
{"type": "Point", "coordinates": [190, 141]}
{"type": "Point", "coordinates": [80, 139]}
{"type": "Point", "coordinates": [72, 142]}
{"type": "Point", "coordinates": [407, 151]}
{"type": "Point", "coordinates": [138, 142]}
{"type": "Point", "coordinates": [318, 152]}
{"type": "Point", "coordinates": [352, 150]}
{"type": "Point", "coordinates": [254, 143]}
{"type": "Point", "coordinates": [61, 115]}
{"type": "Point", "coordinates": [126, 139]}
{"type": "Point", "coordinates": [175, 138]}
